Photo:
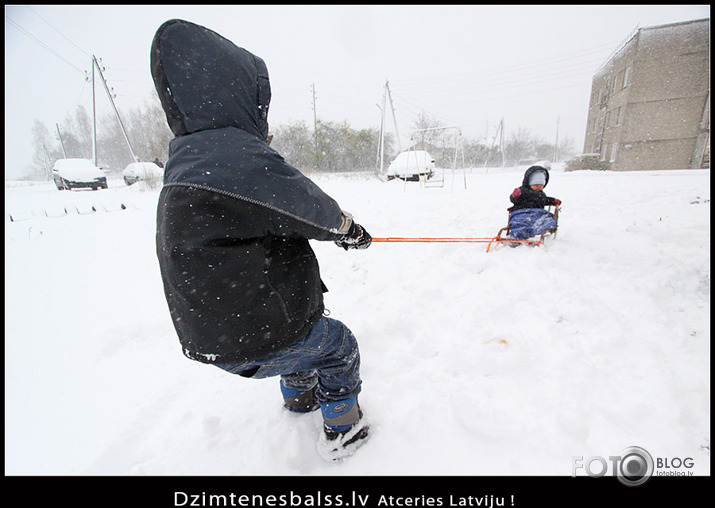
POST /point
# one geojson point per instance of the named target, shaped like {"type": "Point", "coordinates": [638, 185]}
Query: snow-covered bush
{"type": "Point", "coordinates": [587, 161]}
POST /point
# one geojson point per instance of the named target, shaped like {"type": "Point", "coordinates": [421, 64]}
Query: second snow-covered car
{"type": "Point", "coordinates": [411, 165]}
{"type": "Point", "coordinates": [78, 173]}
{"type": "Point", "coordinates": [146, 171]}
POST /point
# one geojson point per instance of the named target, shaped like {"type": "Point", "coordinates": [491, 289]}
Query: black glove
{"type": "Point", "coordinates": [359, 239]}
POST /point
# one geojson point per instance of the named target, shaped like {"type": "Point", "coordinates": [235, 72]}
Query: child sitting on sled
{"type": "Point", "coordinates": [527, 216]}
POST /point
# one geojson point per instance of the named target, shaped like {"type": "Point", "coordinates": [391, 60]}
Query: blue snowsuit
{"type": "Point", "coordinates": [528, 217]}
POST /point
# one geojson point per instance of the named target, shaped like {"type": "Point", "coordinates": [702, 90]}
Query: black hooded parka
{"type": "Point", "coordinates": [526, 197]}
{"type": "Point", "coordinates": [233, 218]}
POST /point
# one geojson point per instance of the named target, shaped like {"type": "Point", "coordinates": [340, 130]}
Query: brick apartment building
{"type": "Point", "coordinates": [650, 102]}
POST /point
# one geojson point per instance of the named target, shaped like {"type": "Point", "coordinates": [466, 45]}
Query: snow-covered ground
{"type": "Point", "coordinates": [510, 362]}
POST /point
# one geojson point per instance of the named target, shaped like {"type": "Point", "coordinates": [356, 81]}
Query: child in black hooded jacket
{"type": "Point", "coordinates": [234, 221]}
{"type": "Point", "coordinates": [527, 216]}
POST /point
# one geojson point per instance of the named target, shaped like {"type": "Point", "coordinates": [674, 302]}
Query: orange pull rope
{"type": "Point", "coordinates": [491, 241]}
{"type": "Point", "coordinates": [433, 239]}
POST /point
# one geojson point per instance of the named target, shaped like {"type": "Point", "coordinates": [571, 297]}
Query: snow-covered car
{"type": "Point", "coordinates": [71, 174]}
{"type": "Point", "coordinates": [411, 165]}
{"type": "Point", "coordinates": [146, 171]}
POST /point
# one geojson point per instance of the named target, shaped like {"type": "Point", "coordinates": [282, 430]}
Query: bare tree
{"type": "Point", "coordinates": [148, 131]}
{"type": "Point", "coordinates": [340, 147]}
{"type": "Point", "coordinates": [45, 150]}
{"type": "Point", "coordinates": [520, 146]}
{"type": "Point", "coordinates": [427, 137]}
{"type": "Point", "coordinates": [566, 149]}
{"type": "Point", "coordinates": [431, 137]}
{"type": "Point", "coordinates": [296, 144]}
{"type": "Point", "coordinates": [543, 150]}
{"type": "Point", "coordinates": [476, 153]}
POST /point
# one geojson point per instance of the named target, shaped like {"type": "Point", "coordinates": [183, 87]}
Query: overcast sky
{"type": "Point", "coordinates": [466, 66]}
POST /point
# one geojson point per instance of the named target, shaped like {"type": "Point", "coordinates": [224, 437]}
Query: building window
{"type": "Point", "coordinates": [614, 85]}
{"type": "Point", "coordinates": [621, 114]}
{"type": "Point", "coordinates": [625, 76]}
{"type": "Point", "coordinates": [613, 152]}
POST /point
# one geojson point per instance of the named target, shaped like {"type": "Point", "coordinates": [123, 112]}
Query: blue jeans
{"type": "Point", "coordinates": [328, 355]}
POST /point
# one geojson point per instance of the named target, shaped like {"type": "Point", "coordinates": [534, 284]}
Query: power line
{"type": "Point", "coordinates": [553, 74]}
{"type": "Point", "coordinates": [499, 80]}
{"type": "Point", "coordinates": [56, 30]}
{"type": "Point", "coordinates": [519, 68]}
{"type": "Point", "coordinates": [502, 88]}
{"type": "Point", "coordinates": [507, 83]}
{"type": "Point", "coordinates": [43, 45]}
{"type": "Point", "coordinates": [62, 58]}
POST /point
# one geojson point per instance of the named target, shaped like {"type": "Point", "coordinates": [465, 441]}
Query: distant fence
{"type": "Point", "coordinates": [63, 211]}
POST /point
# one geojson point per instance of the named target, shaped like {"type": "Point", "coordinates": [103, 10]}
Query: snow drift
{"type": "Point", "coordinates": [502, 363]}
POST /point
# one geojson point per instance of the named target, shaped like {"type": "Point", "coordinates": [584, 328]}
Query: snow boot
{"type": "Point", "coordinates": [297, 401]}
{"type": "Point", "coordinates": [344, 429]}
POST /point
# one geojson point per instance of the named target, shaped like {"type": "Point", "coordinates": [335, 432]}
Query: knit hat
{"type": "Point", "coordinates": [537, 178]}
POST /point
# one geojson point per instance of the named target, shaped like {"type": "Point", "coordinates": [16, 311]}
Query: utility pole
{"type": "Point", "coordinates": [114, 106]}
{"type": "Point", "coordinates": [501, 143]}
{"type": "Point", "coordinates": [48, 170]}
{"type": "Point", "coordinates": [62, 144]}
{"type": "Point", "coordinates": [556, 144]}
{"type": "Point", "coordinates": [94, 118]}
{"type": "Point", "coordinates": [394, 119]}
{"type": "Point", "coordinates": [315, 127]}
{"type": "Point", "coordinates": [381, 140]}
{"type": "Point", "coordinates": [499, 132]}
{"type": "Point", "coordinates": [315, 118]}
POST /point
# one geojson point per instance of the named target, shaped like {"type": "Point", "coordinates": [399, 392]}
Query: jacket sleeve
{"type": "Point", "coordinates": [277, 197]}
{"type": "Point", "coordinates": [301, 208]}
{"type": "Point", "coordinates": [304, 209]}
{"type": "Point", "coordinates": [208, 217]}
{"type": "Point", "coordinates": [293, 226]}
{"type": "Point", "coordinates": [514, 197]}
{"type": "Point", "coordinates": [525, 197]}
